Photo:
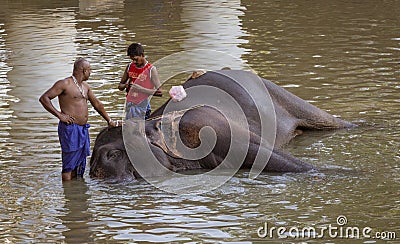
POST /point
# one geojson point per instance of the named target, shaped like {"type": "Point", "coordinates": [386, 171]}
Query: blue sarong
{"type": "Point", "coordinates": [139, 111]}
{"type": "Point", "coordinates": [75, 147]}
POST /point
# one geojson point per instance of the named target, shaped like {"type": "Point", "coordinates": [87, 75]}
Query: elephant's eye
{"type": "Point", "coordinates": [114, 154]}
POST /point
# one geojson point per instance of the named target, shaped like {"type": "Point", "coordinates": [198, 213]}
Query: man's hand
{"type": "Point", "coordinates": [116, 123]}
{"type": "Point", "coordinates": [112, 123]}
{"type": "Point", "coordinates": [68, 119]}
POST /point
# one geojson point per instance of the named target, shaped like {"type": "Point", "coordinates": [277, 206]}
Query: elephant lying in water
{"type": "Point", "coordinates": [293, 115]}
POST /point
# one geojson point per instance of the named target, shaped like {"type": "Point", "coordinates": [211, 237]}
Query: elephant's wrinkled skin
{"type": "Point", "coordinates": [293, 115]}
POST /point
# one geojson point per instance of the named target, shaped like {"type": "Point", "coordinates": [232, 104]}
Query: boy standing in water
{"type": "Point", "coordinates": [140, 80]}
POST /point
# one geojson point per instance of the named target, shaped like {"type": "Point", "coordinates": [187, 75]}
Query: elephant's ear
{"type": "Point", "coordinates": [165, 130]}
{"type": "Point", "coordinates": [159, 139]}
{"type": "Point", "coordinates": [167, 133]}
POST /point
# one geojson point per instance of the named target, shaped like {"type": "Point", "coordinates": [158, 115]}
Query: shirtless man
{"type": "Point", "coordinates": [73, 93]}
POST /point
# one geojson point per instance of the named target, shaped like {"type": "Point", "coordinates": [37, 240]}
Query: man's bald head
{"type": "Point", "coordinates": [81, 69]}
{"type": "Point", "coordinates": [81, 63]}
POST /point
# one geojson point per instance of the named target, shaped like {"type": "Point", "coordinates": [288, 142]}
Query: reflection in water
{"type": "Point", "coordinates": [213, 25]}
{"type": "Point", "coordinates": [94, 7]}
{"type": "Point", "coordinates": [56, 54]}
{"type": "Point", "coordinates": [78, 216]}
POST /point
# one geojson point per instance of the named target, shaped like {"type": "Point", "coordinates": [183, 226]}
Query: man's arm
{"type": "Point", "coordinates": [56, 90]}
{"type": "Point", "coordinates": [99, 107]}
{"type": "Point", "coordinates": [124, 80]}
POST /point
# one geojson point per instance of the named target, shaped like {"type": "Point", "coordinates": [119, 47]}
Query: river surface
{"type": "Point", "coordinates": [342, 56]}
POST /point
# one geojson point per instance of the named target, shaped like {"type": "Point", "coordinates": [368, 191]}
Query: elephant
{"type": "Point", "coordinates": [187, 120]}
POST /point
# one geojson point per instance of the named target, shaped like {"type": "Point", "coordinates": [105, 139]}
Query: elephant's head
{"type": "Point", "coordinates": [109, 158]}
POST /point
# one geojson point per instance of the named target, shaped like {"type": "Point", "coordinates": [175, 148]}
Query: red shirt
{"type": "Point", "coordinates": [140, 76]}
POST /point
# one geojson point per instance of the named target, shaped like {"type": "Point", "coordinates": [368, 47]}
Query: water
{"type": "Point", "coordinates": [342, 56]}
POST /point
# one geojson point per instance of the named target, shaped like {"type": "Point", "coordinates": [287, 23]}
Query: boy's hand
{"type": "Point", "coordinates": [158, 93]}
